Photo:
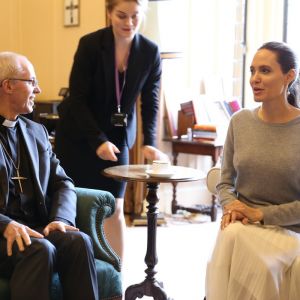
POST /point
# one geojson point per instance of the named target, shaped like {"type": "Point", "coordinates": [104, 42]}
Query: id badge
{"type": "Point", "coordinates": [119, 120]}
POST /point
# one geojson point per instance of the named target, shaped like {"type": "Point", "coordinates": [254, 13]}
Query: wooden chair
{"type": "Point", "coordinates": [213, 178]}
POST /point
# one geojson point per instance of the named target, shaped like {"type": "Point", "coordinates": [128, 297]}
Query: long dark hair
{"type": "Point", "coordinates": [287, 59]}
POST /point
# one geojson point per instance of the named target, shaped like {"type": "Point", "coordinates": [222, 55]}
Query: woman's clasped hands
{"type": "Point", "coordinates": [239, 211]}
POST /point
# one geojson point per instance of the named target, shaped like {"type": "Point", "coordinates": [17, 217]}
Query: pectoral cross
{"type": "Point", "coordinates": [19, 178]}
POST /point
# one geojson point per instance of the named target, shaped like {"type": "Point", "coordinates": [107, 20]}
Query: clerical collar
{"type": "Point", "coordinates": [8, 123]}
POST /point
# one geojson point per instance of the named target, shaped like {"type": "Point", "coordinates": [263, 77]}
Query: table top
{"type": "Point", "coordinates": [202, 142]}
{"type": "Point", "coordinates": [141, 173]}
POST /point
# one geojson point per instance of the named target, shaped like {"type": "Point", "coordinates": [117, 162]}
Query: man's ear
{"type": "Point", "coordinates": [7, 87]}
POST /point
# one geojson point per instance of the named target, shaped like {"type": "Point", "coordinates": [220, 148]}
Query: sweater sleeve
{"type": "Point", "coordinates": [225, 188]}
{"type": "Point", "coordinates": [283, 214]}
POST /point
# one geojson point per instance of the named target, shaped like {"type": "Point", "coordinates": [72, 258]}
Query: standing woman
{"type": "Point", "coordinates": [97, 126]}
{"type": "Point", "coordinates": [257, 252]}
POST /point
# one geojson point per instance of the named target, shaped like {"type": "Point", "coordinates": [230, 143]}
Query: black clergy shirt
{"type": "Point", "coordinates": [20, 207]}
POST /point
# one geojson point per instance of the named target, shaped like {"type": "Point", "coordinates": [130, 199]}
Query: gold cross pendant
{"type": "Point", "coordinates": [19, 178]}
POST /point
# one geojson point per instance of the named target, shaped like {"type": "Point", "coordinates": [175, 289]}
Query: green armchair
{"type": "Point", "coordinates": [93, 206]}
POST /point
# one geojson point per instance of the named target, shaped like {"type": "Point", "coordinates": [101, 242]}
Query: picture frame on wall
{"type": "Point", "coordinates": [71, 13]}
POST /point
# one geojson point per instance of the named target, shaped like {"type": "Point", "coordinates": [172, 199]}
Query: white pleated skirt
{"type": "Point", "coordinates": [254, 262]}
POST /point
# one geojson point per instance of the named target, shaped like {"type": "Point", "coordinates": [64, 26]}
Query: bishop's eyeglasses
{"type": "Point", "coordinates": [34, 82]}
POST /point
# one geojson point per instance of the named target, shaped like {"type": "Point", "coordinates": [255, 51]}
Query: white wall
{"type": "Point", "coordinates": [36, 29]}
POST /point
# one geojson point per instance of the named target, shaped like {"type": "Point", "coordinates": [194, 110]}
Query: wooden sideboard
{"type": "Point", "coordinates": [197, 147]}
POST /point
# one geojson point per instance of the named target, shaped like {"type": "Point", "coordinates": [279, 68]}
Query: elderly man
{"type": "Point", "coordinates": [37, 200]}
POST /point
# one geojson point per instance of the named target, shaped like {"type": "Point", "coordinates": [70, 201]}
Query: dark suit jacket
{"type": "Point", "coordinates": [85, 115]}
{"type": "Point", "coordinates": [54, 191]}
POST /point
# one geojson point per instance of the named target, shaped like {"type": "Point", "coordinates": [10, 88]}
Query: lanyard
{"type": "Point", "coordinates": [119, 90]}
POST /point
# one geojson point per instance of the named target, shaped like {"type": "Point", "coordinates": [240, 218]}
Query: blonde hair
{"type": "Point", "coordinates": [11, 64]}
{"type": "Point", "coordinates": [110, 4]}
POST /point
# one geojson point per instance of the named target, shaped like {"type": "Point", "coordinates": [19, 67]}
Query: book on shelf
{"type": "Point", "coordinates": [205, 127]}
{"type": "Point", "coordinates": [205, 131]}
{"type": "Point", "coordinates": [228, 108]}
{"type": "Point", "coordinates": [232, 106]}
{"type": "Point", "coordinates": [184, 122]}
{"type": "Point", "coordinates": [201, 111]}
{"type": "Point", "coordinates": [204, 135]}
{"type": "Point", "coordinates": [188, 109]}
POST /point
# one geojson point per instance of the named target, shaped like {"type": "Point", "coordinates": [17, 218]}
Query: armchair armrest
{"type": "Point", "coordinates": [93, 206]}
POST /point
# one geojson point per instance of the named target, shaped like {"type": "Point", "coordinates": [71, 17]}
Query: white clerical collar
{"type": "Point", "coordinates": [9, 123]}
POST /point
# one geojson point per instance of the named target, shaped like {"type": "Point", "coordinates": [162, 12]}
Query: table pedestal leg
{"type": "Point", "coordinates": [149, 287]}
{"type": "Point", "coordinates": [174, 201]}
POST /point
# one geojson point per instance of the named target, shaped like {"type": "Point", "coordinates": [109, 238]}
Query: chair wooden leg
{"type": "Point", "coordinates": [213, 210]}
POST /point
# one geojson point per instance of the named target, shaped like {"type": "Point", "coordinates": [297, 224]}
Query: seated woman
{"type": "Point", "coordinates": [257, 251]}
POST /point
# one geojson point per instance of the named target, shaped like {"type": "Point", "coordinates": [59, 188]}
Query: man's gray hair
{"type": "Point", "coordinates": [10, 65]}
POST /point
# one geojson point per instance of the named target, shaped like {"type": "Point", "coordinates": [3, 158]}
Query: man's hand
{"type": "Point", "coordinates": [20, 233]}
{"type": "Point", "coordinates": [107, 150]}
{"type": "Point", "coordinates": [60, 226]}
{"type": "Point", "coordinates": [152, 153]}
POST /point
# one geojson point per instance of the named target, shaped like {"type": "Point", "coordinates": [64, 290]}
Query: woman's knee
{"type": "Point", "coordinates": [227, 239]}
{"type": "Point", "coordinates": [232, 231]}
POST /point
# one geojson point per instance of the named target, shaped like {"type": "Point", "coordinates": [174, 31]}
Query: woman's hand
{"type": "Point", "coordinates": [151, 153]}
{"type": "Point", "coordinates": [237, 210]}
{"type": "Point", "coordinates": [107, 150]}
{"type": "Point", "coordinates": [230, 217]}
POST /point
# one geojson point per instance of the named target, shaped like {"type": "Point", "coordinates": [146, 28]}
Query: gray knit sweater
{"type": "Point", "coordinates": [261, 167]}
